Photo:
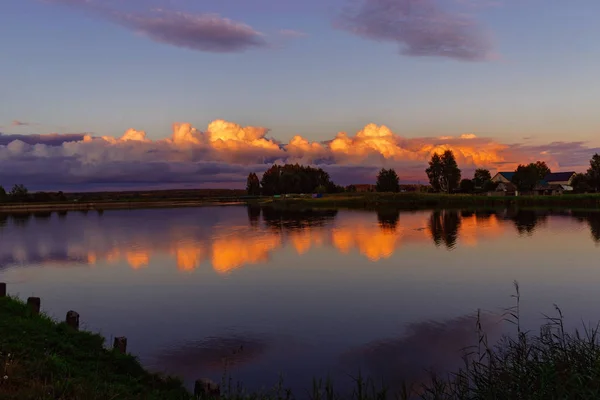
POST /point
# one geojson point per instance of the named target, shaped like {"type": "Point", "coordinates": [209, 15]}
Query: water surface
{"type": "Point", "coordinates": [261, 293]}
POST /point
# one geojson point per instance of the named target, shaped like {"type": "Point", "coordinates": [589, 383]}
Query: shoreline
{"type": "Point", "coordinates": [113, 205]}
{"type": "Point", "coordinates": [364, 201]}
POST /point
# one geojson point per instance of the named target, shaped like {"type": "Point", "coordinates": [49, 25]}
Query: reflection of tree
{"type": "Point", "coordinates": [280, 219]}
{"type": "Point", "coordinates": [526, 221]}
{"type": "Point", "coordinates": [444, 226]}
{"type": "Point", "coordinates": [593, 220]}
{"type": "Point", "coordinates": [21, 219]}
{"type": "Point", "coordinates": [388, 219]}
{"type": "Point", "coordinates": [484, 215]}
{"type": "Point", "coordinates": [61, 214]}
{"type": "Point", "coordinates": [42, 215]}
{"type": "Point", "coordinates": [3, 219]}
{"type": "Point", "coordinates": [253, 214]}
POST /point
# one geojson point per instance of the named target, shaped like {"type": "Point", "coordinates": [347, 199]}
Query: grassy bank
{"type": "Point", "coordinates": [42, 360]}
{"type": "Point", "coordinates": [413, 201]}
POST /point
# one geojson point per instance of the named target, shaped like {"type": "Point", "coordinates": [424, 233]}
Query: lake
{"type": "Point", "coordinates": [260, 293]}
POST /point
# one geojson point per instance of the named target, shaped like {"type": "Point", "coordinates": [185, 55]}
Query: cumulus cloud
{"type": "Point", "coordinates": [419, 27]}
{"type": "Point", "coordinates": [225, 153]}
{"type": "Point", "coordinates": [201, 32]}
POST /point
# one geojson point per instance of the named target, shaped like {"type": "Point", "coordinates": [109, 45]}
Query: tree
{"type": "Point", "coordinates": [387, 181]}
{"type": "Point", "coordinates": [443, 172]}
{"type": "Point", "coordinates": [581, 183]}
{"type": "Point", "coordinates": [480, 177]}
{"type": "Point", "coordinates": [19, 192]}
{"type": "Point", "coordinates": [253, 185]}
{"type": "Point", "coordinates": [542, 169]}
{"type": "Point", "coordinates": [434, 172]}
{"type": "Point", "coordinates": [467, 186]}
{"type": "Point", "coordinates": [593, 172]}
{"type": "Point", "coordinates": [526, 177]}
{"type": "Point", "coordinates": [2, 194]}
{"type": "Point", "coordinates": [351, 189]}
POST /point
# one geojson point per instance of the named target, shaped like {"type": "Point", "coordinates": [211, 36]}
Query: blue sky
{"type": "Point", "coordinates": [499, 82]}
{"type": "Point", "coordinates": [72, 70]}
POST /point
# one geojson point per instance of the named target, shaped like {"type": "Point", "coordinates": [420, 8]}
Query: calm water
{"type": "Point", "coordinates": [301, 294]}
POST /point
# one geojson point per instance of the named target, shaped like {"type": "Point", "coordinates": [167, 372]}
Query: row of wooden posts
{"type": "Point", "coordinates": [72, 318]}
{"type": "Point", "coordinates": [202, 387]}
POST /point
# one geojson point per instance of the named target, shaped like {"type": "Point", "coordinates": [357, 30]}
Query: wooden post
{"type": "Point", "coordinates": [34, 305]}
{"type": "Point", "coordinates": [2, 289]}
{"type": "Point", "coordinates": [205, 388]}
{"type": "Point", "coordinates": [73, 320]}
{"type": "Point", "coordinates": [120, 344]}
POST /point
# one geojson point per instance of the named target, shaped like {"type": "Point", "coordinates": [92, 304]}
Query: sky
{"type": "Point", "coordinates": [198, 93]}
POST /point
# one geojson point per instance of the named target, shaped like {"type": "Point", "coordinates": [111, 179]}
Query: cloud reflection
{"type": "Point", "coordinates": [193, 241]}
{"type": "Point", "coordinates": [424, 348]}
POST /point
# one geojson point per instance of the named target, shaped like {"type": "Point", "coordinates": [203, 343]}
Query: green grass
{"type": "Point", "coordinates": [42, 359]}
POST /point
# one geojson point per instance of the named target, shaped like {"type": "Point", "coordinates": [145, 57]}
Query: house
{"type": "Point", "coordinates": [505, 177]}
{"type": "Point", "coordinates": [560, 178]}
{"type": "Point", "coordinates": [364, 187]}
{"type": "Point", "coordinates": [551, 189]}
{"type": "Point", "coordinates": [504, 189]}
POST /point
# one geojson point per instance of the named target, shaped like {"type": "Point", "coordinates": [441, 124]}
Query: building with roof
{"type": "Point", "coordinates": [503, 177]}
{"type": "Point", "coordinates": [559, 178]}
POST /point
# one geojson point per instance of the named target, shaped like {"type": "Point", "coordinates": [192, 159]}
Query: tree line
{"type": "Point", "coordinates": [443, 173]}
{"type": "Point", "coordinates": [291, 178]}
{"type": "Point", "coordinates": [20, 194]}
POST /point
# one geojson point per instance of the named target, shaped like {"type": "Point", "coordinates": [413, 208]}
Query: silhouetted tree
{"type": "Point", "coordinates": [2, 194]}
{"type": "Point", "coordinates": [467, 186]}
{"type": "Point", "coordinates": [526, 177]}
{"type": "Point", "coordinates": [490, 186]}
{"type": "Point", "coordinates": [443, 172]}
{"type": "Point", "coordinates": [19, 193]}
{"type": "Point", "coordinates": [480, 177]}
{"type": "Point", "coordinates": [294, 178]}
{"type": "Point", "coordinates": [253, 185]}
{"type": "Point", "coordinates": [581, 183]}
{"type": "Point", "coordinates": [542, 169]}
{"type": "Point", "coordinates": [434, 172]}
{"type": "Point", "coordinates": [351, 189]}
{"type": "Point", "coordinates": [593, 172]}
{"type": "Point", "coordinates": [387, 181]}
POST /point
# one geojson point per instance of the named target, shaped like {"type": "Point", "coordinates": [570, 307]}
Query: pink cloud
{"type": "Point", "coordinates": [201, 32]}
{"type": "Point", "coordinates": [419, 27]}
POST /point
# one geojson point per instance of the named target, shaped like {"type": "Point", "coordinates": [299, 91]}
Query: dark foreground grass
{"type": "Point", "coordinates": [40, 359]}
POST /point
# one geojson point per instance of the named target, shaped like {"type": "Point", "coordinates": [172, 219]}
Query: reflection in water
{"type": "Point", "coordinates": [593, 220]}
{"type": "Point", "coordinates": [253, 214]}
{"type": "Point", "coordinates": [214, 354]}
{"type": "Point", "coordinates": [443, 226]}
{"type": "Point", "coordinates": [228, 247]}
{"type": "Point", "coordinates": [425, 347]}
{"type": "Point", "coordinates": [526, 221]}
{"type": "Point", "coordinates": [388, 219]}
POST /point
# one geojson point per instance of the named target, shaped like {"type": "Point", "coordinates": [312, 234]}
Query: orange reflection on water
{"type": "Point", "coordinates": [137, 259]}
{"type": "Point", "coordinates": [372, 241]}
{"type": "Point", "coordinates": [189, 256]}
{"type": "Point", "coordinates": [305, 238]}
{"type": "Point", "coordinates": [229, 253]}
{"type": "Point", "coordinates": [474, 228]}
